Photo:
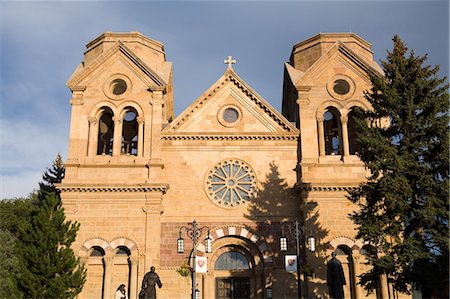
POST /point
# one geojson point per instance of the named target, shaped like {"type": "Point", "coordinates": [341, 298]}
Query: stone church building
{"type": "Point", "coordinates": [137, 176]}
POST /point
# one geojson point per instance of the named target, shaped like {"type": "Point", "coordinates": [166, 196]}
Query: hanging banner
{"type": "Point", "coordinates": [200, 264]}
{"type": "Point", "coordinates": [290, 263]}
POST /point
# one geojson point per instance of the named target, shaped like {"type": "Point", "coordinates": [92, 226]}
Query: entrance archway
{"type": "Point", "coordinates": [235, 270]}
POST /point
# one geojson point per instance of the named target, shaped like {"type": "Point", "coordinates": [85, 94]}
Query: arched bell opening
{"type": "Point", "coordinates": [105, 132]}
{"type": "Point", "coordinates": [130, 132]}
{"type": "Point", "coordinates": [352, 133]}
{"type": "Point", "coordinates": [332, 131]}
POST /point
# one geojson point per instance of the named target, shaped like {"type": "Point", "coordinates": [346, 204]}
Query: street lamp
{"type": "Point", "coordinates": [194, 232]}
{"type": "Point", "coordinates": [297, 231]}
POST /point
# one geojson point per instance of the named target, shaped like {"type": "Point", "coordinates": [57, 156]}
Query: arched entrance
{"type": "Point", "coordinates": [235, 270]}
{"type": "Point", "coordinates": [233, 273]}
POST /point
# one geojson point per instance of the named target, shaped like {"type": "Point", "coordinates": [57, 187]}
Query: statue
{"type": "Point", "coordinates": [148, 290]}
{"type": "Point", "coordinates": [335, 278]}
{"type": "Point", "coordinates": [120, 292]}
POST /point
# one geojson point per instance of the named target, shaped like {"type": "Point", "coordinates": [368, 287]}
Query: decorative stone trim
{"type": "Point", "coordinates": [102, 243]}
{"type": "Point", "coordinates": [347, 241]}
{"type": "Point", "coordinates": [122, 241]}
{"type": "Point", "coordinates": [173, 137]}
{"type": "Point", "coordinates": [327, 188]}
{"type": "Point", "coordinates": [95, 189]}
{"type": "Point", "coordinates": [242, 232]}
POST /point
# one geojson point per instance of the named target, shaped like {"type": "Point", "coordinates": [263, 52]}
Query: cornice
{"type": "Point", "coordinates": [325, 188]}
{"type": "Point", "coordinates": [229, 137]}
{"type": "Point", "coordinates": [154, 188]}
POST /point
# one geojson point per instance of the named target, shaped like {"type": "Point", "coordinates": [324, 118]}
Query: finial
{"type": "Point", "coordinates": [229, 61]}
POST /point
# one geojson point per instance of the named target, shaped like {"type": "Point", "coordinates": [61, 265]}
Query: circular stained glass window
{"type": "Point", "coordinates": [230, 183]}
{"type": "Point", "coordinates": [341, 87]}
{"type": "Point", "coordinates": [230, 115]}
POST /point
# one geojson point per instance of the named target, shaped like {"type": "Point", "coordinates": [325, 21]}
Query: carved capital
{"type": "Point", "coordinates": [140, 120]}
{"type": "Point", "coordinates": [92, 120]}
{"type": "Point", "coordinates": [303, 95]}
{"type": "Point", "coordinates": [134, 260]}
{"type": "Point", "coordinates": [320, 118]}
{"type": "Point", "coordinates": [344, 119]}
{"type": "Point", "coordinates": [108, 260]}
{"type": "Point", "coordinates": [117, 120]}
{"type": "Point", "coordinates": [153, 208]}
{"type": "Point", "coordinates": [77, 99]}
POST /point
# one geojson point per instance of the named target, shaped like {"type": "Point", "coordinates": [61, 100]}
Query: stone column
{"type": "Point", "coordinates": [321, 136]}
{"type": "Point", "coordinates": [93, 135]}
{"type": "Point", "coordinates": [155, 164]}
{"type": "Point", "coordinates": [117, 145]}
{"type": "Point", "coordinates": [140, 145]}
{"type": "Point", "coordinates": [153, 209]}
{"type": "Point", "coordinates": [78, 132]}
{"type": "Point", "coordinates": [157, 104]}
{"type": "Point", "coordinates": [134, 261]}
{"type": "Point", "coordinates": [345, 146]}
{"type": "Point", "coordinates": [108, 271]}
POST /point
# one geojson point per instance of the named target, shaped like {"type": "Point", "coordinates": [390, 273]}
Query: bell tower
{"type": "Point", "coordinates": [324, 83]}
{"type": "Point", "coordinates": [121, 99]}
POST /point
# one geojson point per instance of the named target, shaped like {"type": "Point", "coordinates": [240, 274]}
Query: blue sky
{"type": "Point", "coordinates": [41, 43]}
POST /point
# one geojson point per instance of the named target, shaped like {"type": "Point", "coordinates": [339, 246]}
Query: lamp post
{"type": "Point", "coordinates": [297, 231]}
{"type": "Point", "coordinates": [194, 232]}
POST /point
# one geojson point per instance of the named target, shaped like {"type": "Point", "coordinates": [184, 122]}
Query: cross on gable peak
{"type": "Point", "coordinates": [230, 61]}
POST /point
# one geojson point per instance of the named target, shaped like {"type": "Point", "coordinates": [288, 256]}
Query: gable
{"type": "Point", "coordinates": [230, 106]}
{"type": "Point", "coordinates": [118, 53]}
{"type": "Point", "coordinates": [338, 59]}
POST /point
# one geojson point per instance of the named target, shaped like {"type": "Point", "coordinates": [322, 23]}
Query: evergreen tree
{"type": "Point", "coordinates": [9, 266]}
{"type": "Point", "coordinates": [49, 267]}
{"type": "Point", "coordinates": [404, 208]}
{"type": "Point", "coordinates": [53, 175]}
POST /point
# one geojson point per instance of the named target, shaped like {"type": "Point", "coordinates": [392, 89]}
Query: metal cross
{"type": "Point", "coordinates": [229, 61]}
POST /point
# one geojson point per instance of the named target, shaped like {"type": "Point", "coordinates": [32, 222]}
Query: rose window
{"type": "Point", "coordinates": [230, 183]}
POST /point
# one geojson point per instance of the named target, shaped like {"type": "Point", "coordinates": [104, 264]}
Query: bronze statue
{"type": "Point", "coordinates": [335, 278]}
{"type": "Point", "coordinates": [148, 290]}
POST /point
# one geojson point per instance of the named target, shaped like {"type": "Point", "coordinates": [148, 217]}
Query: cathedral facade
{"type": "Point", "coordinates": [137, 177]}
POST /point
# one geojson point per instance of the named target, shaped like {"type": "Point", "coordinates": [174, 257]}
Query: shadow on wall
{"type": "Point", "coordinates": [276, 207]}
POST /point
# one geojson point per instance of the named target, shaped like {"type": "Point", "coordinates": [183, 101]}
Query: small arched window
{"type": "Point", "coordinates": [332, 131]}
{"type": "Point", "coordinates": [105, 132]}
{"type": "Point", "coordinates": [352, 134]}
{"type": "Point", "coordinates": [97, 251]}
{"type": "Point", "coordinates": [232, 260]}
{"type": "Point", "coordinates": [130, 132]}
{"type": "Point", "coordinates": [123, 251]}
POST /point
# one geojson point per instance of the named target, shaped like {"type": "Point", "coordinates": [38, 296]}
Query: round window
{"type": "Point", "coordinates": [118, 86]}
{"type": "Point", "coordinates": [230, 183]}
{"type": "Point", "coordinates": [341, 87]}
{"type": "Point", "coordinates": [230, 115]}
